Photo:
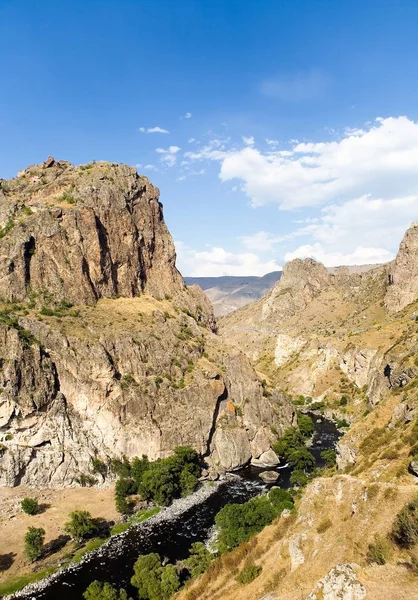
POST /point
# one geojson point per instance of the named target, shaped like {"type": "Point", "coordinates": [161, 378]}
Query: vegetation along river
{"type": "Point", "coordinates": [170, 533]}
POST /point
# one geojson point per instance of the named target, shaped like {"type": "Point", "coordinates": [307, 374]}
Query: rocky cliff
{"type": "Point", "coordinates": [403, 274]}
{"type": "Point", "coordinates": [104, 351]}
{"type": "Point", "coordinates": [332, 334]}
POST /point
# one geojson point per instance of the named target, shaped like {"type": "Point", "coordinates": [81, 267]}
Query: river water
{"type": "Point", "coordinates": [173, 537]}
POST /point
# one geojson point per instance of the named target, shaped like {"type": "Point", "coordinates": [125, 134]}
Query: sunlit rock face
{"type": "Point", "coordinates": [104, 350]}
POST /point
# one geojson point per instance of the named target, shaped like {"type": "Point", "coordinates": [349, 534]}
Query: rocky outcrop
{"type": "Point", "coordinates": [359, 364]}
{"type": "Point", "coordinates": [84, 234]}
{"type": "Point", "coordinates": [346, 455]}
{"type": "Point", "coordinates": [134, 367]}
{"type": "Point", "coordinates": [301, 282]}
{"type": "Point", "coordinates": [403, 275]}
{"type": "Point", "coordinates": [340, 583]}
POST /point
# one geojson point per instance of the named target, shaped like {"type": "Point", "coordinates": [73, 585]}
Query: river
{"type": "Point", "coordinates": [171, 537]}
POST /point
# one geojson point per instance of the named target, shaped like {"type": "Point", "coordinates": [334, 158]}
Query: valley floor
{"type": "Point", "coordinates": [56, 505]}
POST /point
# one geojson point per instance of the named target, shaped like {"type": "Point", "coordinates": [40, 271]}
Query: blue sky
{"type": "Point", "coordinates": [288, 128]}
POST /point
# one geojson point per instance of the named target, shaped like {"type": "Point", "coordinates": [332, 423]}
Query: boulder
{"type": "Point", "coordinates": [340, 583]}
{"type": "Point", "coordinates": [413, 467]}
{"type": "Point", "coordinates": [267, 459]}
{"type": "Point", "coordinates": [269, 476]}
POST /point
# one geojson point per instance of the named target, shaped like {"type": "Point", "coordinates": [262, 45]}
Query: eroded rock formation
{"type": "Point", "coordinates": [104, 351]}
{"type": "Point", "coordinates": [403, 274]}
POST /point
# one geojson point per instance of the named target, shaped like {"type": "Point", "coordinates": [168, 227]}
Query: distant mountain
{"type": "Point", "coordinates": [229, 293]}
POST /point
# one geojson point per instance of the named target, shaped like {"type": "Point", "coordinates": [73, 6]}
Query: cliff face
{"type": "Point", "coordinates": [403, 274]}
{"type": "Point", "coordinates": [301, 282]}
{"type": "Point", "coordinates": [332, 333]}
{"type": "Point", "coordinates": [84, 234]}
{"type": "Point", "coordinates": [104, 351]}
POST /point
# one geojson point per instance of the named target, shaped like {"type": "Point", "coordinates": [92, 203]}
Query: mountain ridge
{"type": "Point", "coordinates": [105, 351]}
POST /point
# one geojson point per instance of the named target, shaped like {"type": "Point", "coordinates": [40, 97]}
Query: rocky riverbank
{"type": "Point", "coordinates": [115, 544]}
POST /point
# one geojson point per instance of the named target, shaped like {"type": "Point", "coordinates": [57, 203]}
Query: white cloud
{"type": "Point", "coordinates": [295, 87]}
{"type": "Point", "coordinates": [380, 161]}
{"type": "Point", "coordinates": [153, 130]}
{"type": "Point", "coordinates": [363, 185]}
{"type": "Point", "coordinates": [381, 222]}
{"type": "Point", "coordinates": [147, 167]}
{"type": "Point", "coordinates": [217, 262]}
{"type": "Point", "coordinates": [361, 231]}
{"type": "Point", "coordinates": [262, 241]}
{"type": "Point", "coordinates": [168, 157]}
{"type": "Point", "coordinates": [360, 256]}
{"type": "Point", "coordinates": [188, 115]}
{"type": "Point", "coordinates": [191, 140]}
{"type": "Point", "coordinates": [248, 141]}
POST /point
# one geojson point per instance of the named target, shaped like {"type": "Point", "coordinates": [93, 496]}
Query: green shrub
{"type": "Point", "coordinates": [98, 466]}
{"type": "Point", "coordinates": [298, 478]}
{"type": "Point", "coordinates": [160, 481]}
{"type": "Point", "coordinates": [34, 541]}
{"type": "Point", "coordinates": [317, 406]}
{"type": "Point", "coordinates": [66, 197]}
{"type": "Point", "coordinates": [85, 480]}
{"type": "Point", "coordinates": [341, 423]}
{"type": "Point", "coordinates": [281, 500]}
{"type": "Point", "coordinates": [198, 560]}
{"type": "Point", "coordinates": [343, 401]}
{"type": "Point", "coordinates": [301, 459]}
{"type": "Point", "coordinates": [81, 525]}
{"type": "Point", "coordinates": [379, 552]}
{"type": "Point", "coordinates": [305, 425]}
{"type": "Point", "coordinates": [405, 527]}
{"type": "Point", "coordinates": [30, 506]}
{"type": "Point", "coordinates": [329, 456]}
{"type": "Point", "coordinates": [154, 582]}
{"type": "Point", "coordinates": [5, 230]}
{"type": "Point", "coordinates": [248, 574]}
{"type": "Point", "coordinates": [122, 505]}
{"type": "Point", "coordinates": [99, 590]}
{"type": "Point", "coordinates": [238, 522]}
{"type": "Point", "coordinates": [324, 525]}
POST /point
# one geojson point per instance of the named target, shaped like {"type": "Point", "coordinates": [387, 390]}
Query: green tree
{"type": "Point", "coordinates": [170, 582]}
{"type": "Point", "coordinates": [306, 426]}
{"type": "Point", "coordinates": [301, 459]}
{"type": "Point", "coordinates": [154, 582]}
{"type": "Point", "coordinates": [138, 468]}
{"type": "Point", "coordinates": [238, 522]}
{"type": "Point", "coordinates": [159, 483]}
{"type": "Point", "coordinates": [120, 467]}
{"type": "Point", "coordinates": [329, 456]}
{"type": "Point", "coordinates": [99, 590]}
{"type": "Point", "coordinates": [81, 525]}
{"type": "Point", "coordinates": [292, 439]}
{"type": "Point", "coordinates": [199, 559]}
{"type": "Point", "coordinates": [405, 526]}
{"type": "Point", "coordinates": [122, 505]}
{"type": "Point", "coordinates": [188, 480]}
{"type": "Point", "coordinates": [281, 500]}
{"type": "Point", "coordinates": [298, 478]}
{"type": "Point", "coordinates": [30, 506]}
{"type": "Point", "coordinates": [125, 486]}
{"type": "Point", "coordinates": [34, 541]}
